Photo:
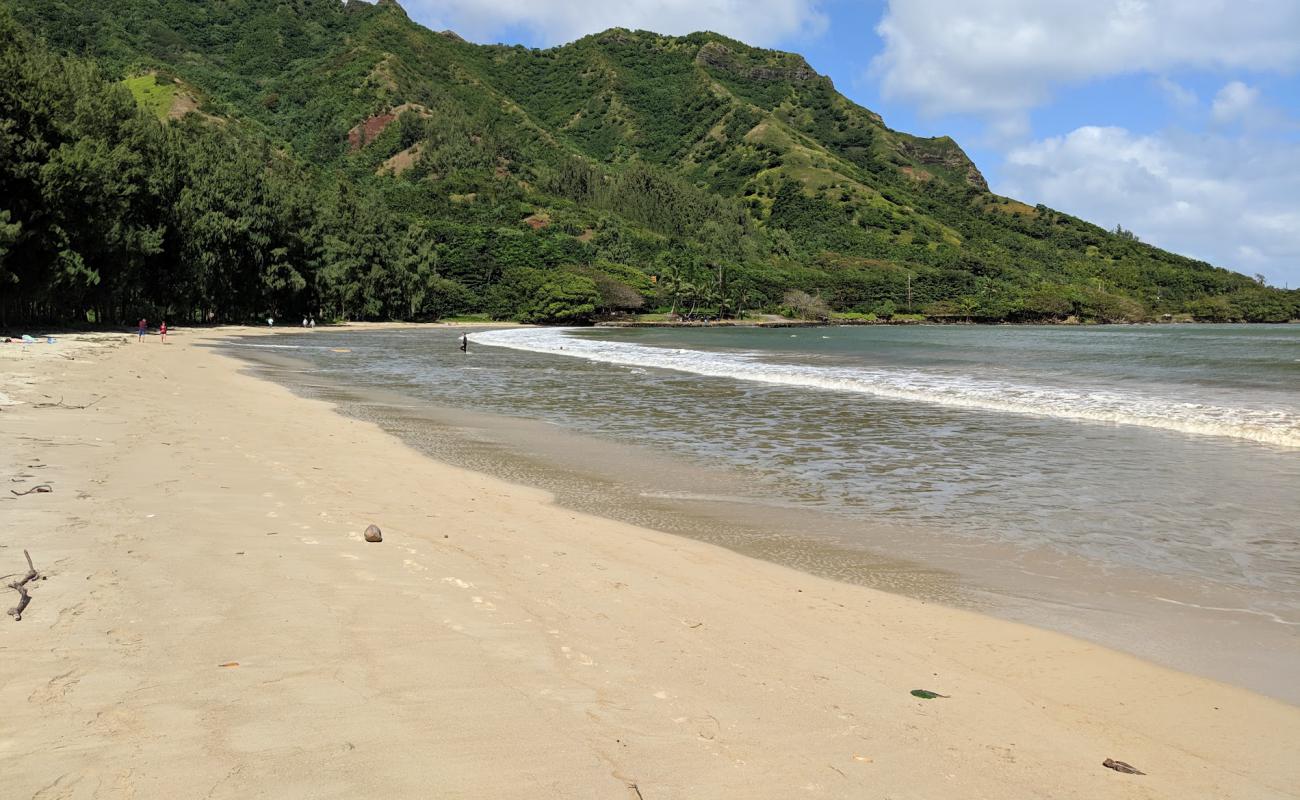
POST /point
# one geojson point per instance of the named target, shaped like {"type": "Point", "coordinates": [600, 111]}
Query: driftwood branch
{"type": "Point", "coordinates": [40, 489]}
{"type": "Point", "coordinates": [21, 587]}
{"type": "Point", "coordinates": [1120, 766]}
{"type": "Point", "coordinates": [62, 404]}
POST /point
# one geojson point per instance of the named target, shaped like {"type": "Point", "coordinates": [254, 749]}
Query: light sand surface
{"type": "Point", "coordinates": [495, 645]}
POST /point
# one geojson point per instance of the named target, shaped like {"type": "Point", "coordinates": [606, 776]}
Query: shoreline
{"type": "Point", "coordinates": [90, 330]}
{"type": "Point", "coordinates": [1179, 622]}
{"type": "Point", "coordinates": [202, 516]}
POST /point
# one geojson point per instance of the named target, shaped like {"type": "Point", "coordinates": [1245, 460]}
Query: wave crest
{"type": "Point", "coordinates": [1273, 427]}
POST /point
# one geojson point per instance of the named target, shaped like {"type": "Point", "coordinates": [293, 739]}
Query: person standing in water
{"type": "Point", "coordinates": [144, 328]}
{"type": "Point", "coordinates": [464, 342]}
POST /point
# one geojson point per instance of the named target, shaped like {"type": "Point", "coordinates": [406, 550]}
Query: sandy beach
{"type": "Point", "coordinates": [210, 623]}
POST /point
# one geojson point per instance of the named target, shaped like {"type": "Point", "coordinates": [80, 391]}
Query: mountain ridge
{"type": "Point", "coordinates": [736, 171]}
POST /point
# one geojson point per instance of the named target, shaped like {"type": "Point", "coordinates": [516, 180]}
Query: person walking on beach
{"type": "Point", "coordinates": [162, 331]}
{"type": "Point", "coordinates": [144, 328]}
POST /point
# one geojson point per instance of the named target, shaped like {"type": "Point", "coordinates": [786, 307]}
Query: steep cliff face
{"type": "Point", "coordinates": [790, 67]}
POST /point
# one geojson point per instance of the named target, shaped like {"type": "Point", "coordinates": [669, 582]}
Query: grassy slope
{"type": "Point", "coordinates": [154, 97]}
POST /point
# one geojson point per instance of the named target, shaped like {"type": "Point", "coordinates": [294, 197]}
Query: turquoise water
{"type": "Point", "coordinates": [1076, 453]}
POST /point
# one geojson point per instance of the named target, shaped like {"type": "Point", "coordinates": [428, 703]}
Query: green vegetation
{"type": "Point", "coordinates": [347, 163]}
{"type": "Point", "coordinates": [152, 93]}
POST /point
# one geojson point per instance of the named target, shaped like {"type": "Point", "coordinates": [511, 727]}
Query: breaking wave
{"type": "Point", "coordinates": [1277, 427]}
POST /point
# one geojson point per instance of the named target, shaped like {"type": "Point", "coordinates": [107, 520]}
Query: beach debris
{"type": "Point", "coordinates": [41, 489]}
{"type": "Point", "coordinates": [62, 404]}
{"type": "Point", "coordinates": [861, 759]}
{"type": "Point", "coordinates": [229, 665]}
{"type": "Point", "coordinates": [926, 694]}
{"type": "Point", "coordinates": [636, 789]}
{"type": "Point", "coordinates": [373, 534]}
{"type": "Point", "coordinates": [21, 587]}
{"type": "Point", "coordinates": [1120, 766]}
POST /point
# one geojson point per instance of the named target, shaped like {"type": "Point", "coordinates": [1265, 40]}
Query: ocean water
{"type": "Point", "coordinates": [1136, 485]}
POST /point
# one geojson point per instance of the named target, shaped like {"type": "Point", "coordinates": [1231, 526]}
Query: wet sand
{"type": "Point", "coordinates": [1173, 620]}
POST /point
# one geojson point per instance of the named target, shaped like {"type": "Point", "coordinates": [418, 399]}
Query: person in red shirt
{"type": "Point", "coordinates": [162, 330]}
{"type": "Point", "coordinates": [144, 328]}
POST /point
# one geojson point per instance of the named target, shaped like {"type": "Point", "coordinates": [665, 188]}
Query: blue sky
{"type": "Point", "coordinates": [1179, 119]}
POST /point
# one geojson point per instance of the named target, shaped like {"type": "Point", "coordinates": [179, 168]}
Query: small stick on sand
{"type": "Point", "coordinates": [62, 404]}
{"type": "Point", "coordinates": [1120, 766]}
{"type": "Point", "coordinates": [21, 587]}
{"type": "Point", "coordinates": [41, 489]}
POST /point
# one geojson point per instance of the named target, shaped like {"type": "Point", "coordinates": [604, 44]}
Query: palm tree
{"type": "Point", "coordinates": [676, 285]}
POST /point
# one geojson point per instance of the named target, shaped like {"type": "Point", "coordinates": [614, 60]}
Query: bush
{"type": "Point", "coordinates": [1106, 307]}
{"type": "Point", "coordinates": [563, 298]}
{"type": "Point", "coordinates": [801, 305]}
{"type": "Point", "coordinates": [1046, 304]}
{"type": "Point", "coordinates": [444, 298]}
{"type": "Point", "coordinates": [1214, 309]}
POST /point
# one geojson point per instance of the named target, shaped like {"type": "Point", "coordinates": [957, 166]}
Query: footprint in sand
{"type": "Point", "coordinates": [458, 583]}
{"type": "Point", "coordinates": [349, 556]}
{"type": "Point", "coordinates": [486, 605]}
{"type": "Point", "coordinates": [126, 640]}
{"type": "Point", "coordinates": [68, 615]}
{"type": "Point", "coordinates": [582, 658]}
{"type": "Point", "coordinates": [414, 566]}
{"type": "Point", "coordinates": [56, 688]}
{"type": "Point", "coordinates": [305, 540]}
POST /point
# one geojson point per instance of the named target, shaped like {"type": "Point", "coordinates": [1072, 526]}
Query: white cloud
{"type": "Point", "coordinates": [1178, 95]}
{"type": "Point", "coordinates": [1234, 101]}
{"type": "Point", "coordinates": [762, 22]}
{"type": "Point", "coordinates": [1234, 202]}
{"type": "Point", "coordinates": [997, 56]}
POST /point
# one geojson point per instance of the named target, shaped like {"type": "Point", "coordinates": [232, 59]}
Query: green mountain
{"type": "Point", "coordinates": [229, 159]}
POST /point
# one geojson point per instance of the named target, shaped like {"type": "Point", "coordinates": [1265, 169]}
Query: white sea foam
{"type": "Point", "coordinates": [1278, 427]}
